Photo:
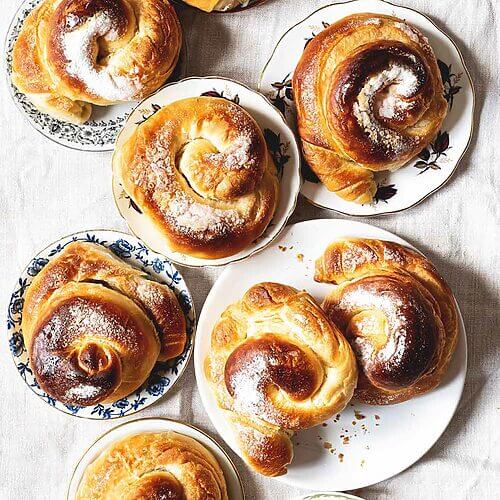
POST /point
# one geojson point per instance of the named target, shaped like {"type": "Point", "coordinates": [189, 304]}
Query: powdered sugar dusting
{"type": "Point", "coordinates": [180, 208]}
{"type": "Point", "coordinates": [79, 50]}
{"type": "Point", "coordinates": [238, 156]}
{"type": "Point", "coordinates": [84, 318]}
{"type": "Point", "coordinates": [373, 21]}
{"type": "Point", "coordinates": [83, 392]}
{"type": "Point", "coordinates": [190, 216]}
{"type": "Point", "coordinates": [248, 389]}
{"type": "Point", "coordinates": [398, 81]}
{"type": "Point", "coordinates": [410, 32]}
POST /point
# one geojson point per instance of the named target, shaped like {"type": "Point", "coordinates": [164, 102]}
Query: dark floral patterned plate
{"type": "Point", "coordinates": [436, 164]}
{"type": "Point", "coordinates": [100, 132]}
{"type": "Point", "coordinates": [134, 252]}
{"type": "Point", "coordinates": [280, 140]}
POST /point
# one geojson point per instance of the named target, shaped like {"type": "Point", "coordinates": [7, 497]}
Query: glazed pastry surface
{"type": "Point", "coordinates": [71, 54]}
{"type": "Point", "coordinates": [218, 5]}
{"type": "Point", "coordinates": [200, 169]}
{"type": "Point", "coordinates": [369, 97]}
{"type": "Point", "coordinates": [155, 465]}
{"type": "Point", "coordinates": [277, 365]}
{"type": "Point", "coordinates": [95, 327]}
{"type": "Point", "coordinates": [396, 311]}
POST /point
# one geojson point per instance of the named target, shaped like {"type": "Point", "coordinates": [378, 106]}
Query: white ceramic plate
{"type": "Point", "coordinates": [234, 485]}
{"type": "Point", "coordinates": [281, 142]}
{"type": "Point", "coordinates": [134, 252]}
{"type": "Point", "coordinates": [365, 444]}
{"type": "Point", "coordinates": [423, 175]}
{"type": "Point", "coordinates": [100, 132]}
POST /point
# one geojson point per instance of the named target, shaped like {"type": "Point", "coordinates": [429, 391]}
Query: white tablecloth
{"type": "Point", "coordinates": [48, 191]}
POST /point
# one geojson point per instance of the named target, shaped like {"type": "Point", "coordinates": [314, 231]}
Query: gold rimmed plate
{"type": "Point", "coordinates": [231, 475]}
{"type": "Point", "coordinates": [425, 174]}
{"type": "Point", "coordinates": [281, 143]}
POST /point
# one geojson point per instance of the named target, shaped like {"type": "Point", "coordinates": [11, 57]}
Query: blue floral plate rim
{"type": "Point", "coordinates": [94, 136]}
{"type": "Point", "coordinates": [133, 251]}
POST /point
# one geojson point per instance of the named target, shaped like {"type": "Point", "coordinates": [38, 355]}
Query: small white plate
{"type": "Point", "coordinates": [423, 175]}
{"type": "Point", "coordinates": [365, 444]}
{"type": "Point", "coordinates": [281, 142]}
{"type": "Point", "coordinates": [100, 132]}
{"type": "Point", "coordinates": [134, 252]}
{"type": "Point", "coordinates": [233, 480]}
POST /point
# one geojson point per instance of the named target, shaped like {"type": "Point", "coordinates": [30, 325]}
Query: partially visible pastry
{"type": "Point", "coordinates": [369, 97]}
{"type": "Point", "coordinates": [154, 465]}
{"type": "Point", "coordinates": [200, 170]}
{"type": "Point", "coordinates": [95, 327]}
{"type": "Point", "coordinates": [277, 365]}
{"type": "Point", "coordinates": [71, 54]}
{"type": "Point", "coordinates": [216, 5]}
{"type": "Point", "coordinates": [397, 312]}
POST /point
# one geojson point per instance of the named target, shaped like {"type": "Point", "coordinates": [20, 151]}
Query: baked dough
{"type": "Point", "coordinates": [277, 365]}
{"type": "Point", "coordinates": [369, 97]}
{"type": "Point", "coordinates": [201, 171]}
{"type": "Point", "coordinates": [95, 327]}
{"type": "Point", "coordinates": [396, 311]}
{"type": "Point", "coordinates": [218, 5]}
{"type": "Point", "coordinates": [156, 465]}
{"type": "Point", "coordinates": [74, 53]}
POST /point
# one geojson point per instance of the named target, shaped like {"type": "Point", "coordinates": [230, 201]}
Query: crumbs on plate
{"type": "Point", "coordinates": [359, 427]}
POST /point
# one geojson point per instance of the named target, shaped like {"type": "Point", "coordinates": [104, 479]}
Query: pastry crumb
{"type": "Point", "coordinates": [359, 415]}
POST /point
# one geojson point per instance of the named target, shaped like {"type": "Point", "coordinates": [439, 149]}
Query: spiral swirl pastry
{"type": "Point", "coordinates": [369, 97]}
{"type": "Point", "coordinates": [154, 465]}
{"type": "Point", "coordinates": [396, 311]}
{"type": "Point", "coordinates": [95, 327]}
{"type": "Point", "coordinates": [277, 365]}
{"type": "Point", "coordinates": [200, 170]}
{"type": "Point", "coordinates": [74, 53]}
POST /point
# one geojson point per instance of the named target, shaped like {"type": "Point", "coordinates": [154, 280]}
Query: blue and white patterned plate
{"type": "Point", "coordinates": [135, 253]}
{"type": "Point", "coordinates": [100, 132]}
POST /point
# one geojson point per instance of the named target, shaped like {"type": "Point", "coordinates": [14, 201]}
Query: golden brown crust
{"type": "Point", "coordinates": [396, 311]}
{"type": "Point", "coordinates": [369, 97]}
{"type": "Point", "coordinates": [276, 366]}
{"type": "Point", "coordinates": [199, 168]}
{"type": "Point", "coordinates": [95, 327]}
{"type": "Point", "coordinates": [71, 53]}
{"type": "Point", "coordinates": [151, 466]}
{"type": "Point", "coordinates": [211, 5]}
